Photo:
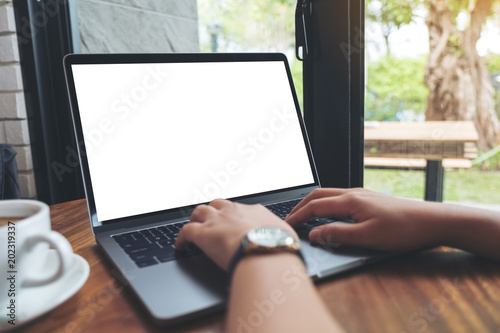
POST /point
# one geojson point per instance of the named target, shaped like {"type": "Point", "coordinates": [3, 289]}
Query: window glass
{"type": "Point", "coordinates": [418, 73]}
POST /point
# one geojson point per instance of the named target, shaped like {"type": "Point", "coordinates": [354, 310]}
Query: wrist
{"type": "Point", "coordinates": [451, 224]}
{"type": "Point", "coordinates": [430, 220]}
{"type": "Point", "coordinates": [265, 241]}
{"type": "Point", "coordinates": [467, 226]}
{"type": "Point", "coordinates": [269, 264]}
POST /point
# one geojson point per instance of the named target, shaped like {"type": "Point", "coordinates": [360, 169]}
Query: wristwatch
{"type": "Point", "coordinates": [265, 240]}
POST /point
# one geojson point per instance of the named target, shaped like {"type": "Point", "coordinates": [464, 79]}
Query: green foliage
{"type": "Point", "coordinates": [461, 185]}
{"type": "Point", "coordinates": [296, 69]}
{"type": "Point", "coordinates": [497, 103]}
{"type": "Point", "coordinates": [390, 15]}
{"type": "Point", "coordinates": [401, 183]}
{"type": "Point", "coordinates": [457, 7]}
{"type": "Point", "coordinates": [395, 85]}
{"type": "Point", "coordinates": [493, 61]}
{"type": "Point", "coordinates": [488, 161]}
{"type": "Point", "coordinates": [472, 186]}
{"type": "Point", "coordinates": [455, 45]}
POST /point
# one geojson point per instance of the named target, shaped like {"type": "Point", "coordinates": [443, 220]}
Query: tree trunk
{"type": "Point", "coordinates": [457, 77]}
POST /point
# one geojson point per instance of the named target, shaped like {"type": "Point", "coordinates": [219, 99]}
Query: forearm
{"type": "Point", "coordinates": [471, 229]}
{"type": "Point", "coordinates": [273, 293]}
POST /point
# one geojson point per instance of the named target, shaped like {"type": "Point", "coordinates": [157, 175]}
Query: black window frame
{"type": "Point", "coordinates": [334, 90]}
{"type": "Point", "coordinates": [44, 31]}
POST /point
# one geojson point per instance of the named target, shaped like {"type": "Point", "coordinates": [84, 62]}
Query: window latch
{"type": "Point", "coordinates": [301, 17]}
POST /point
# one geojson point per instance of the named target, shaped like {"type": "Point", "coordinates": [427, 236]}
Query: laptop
{"type": "Point", "coordinates": [159, 134]}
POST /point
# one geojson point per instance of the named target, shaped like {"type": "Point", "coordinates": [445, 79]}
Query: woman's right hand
{"type": "Point", "coordinates": [382, 222]}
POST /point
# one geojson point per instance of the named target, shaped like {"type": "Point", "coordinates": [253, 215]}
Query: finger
{"type": "Point", "coordinates": [343, 233]}
{"type": "Point", "coordinates": [187, 235]}
{"type": "Point", "coordinates": [220, 203]}
{"type": "Point", "coordinates": [322, 207]}
{"type": "Point", "coordinates": [317, 194]}
{"type": "Point", "coordinates": [201, 213]}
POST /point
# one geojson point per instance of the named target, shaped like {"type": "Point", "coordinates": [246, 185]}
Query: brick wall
{"type": "Point", "coordinates": [13, 123]}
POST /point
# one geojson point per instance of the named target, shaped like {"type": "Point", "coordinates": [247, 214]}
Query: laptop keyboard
{"type": "Point", "coordinates": [156, 245]}
{"type": "Point", "coordinates": [282, 209]}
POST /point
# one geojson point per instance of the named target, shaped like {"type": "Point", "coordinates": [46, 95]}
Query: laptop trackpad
{"type": "Point", "coordinates": [323, 260]}
{"type": "Point", "coordinates": [186, 287]}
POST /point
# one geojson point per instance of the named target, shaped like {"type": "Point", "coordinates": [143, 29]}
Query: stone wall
{"type": "Point", "coordinates": [109, 26]}
{"type": "Point", "coordinates": [13, 120]}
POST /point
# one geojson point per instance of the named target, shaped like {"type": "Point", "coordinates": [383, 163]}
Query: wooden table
{"type": "Point", "coordinates": [440, 290]}
{"type": "Point", "coordinates": [408, 143]}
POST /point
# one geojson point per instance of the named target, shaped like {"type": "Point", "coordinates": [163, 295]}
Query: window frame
{"type": "Point", "coordinates": [334, 90]}
{"type": "Point", "coordinates": [44, 37]}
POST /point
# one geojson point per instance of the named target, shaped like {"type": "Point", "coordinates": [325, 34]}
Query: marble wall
{"type": "Point", "coordinates": [109, 26]}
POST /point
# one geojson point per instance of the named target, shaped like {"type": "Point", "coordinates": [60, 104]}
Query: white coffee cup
{"type": "Point", "coordinates": [24, 249]}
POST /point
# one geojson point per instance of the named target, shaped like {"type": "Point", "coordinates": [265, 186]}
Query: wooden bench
{"type": "Point", "coordinates": [412, 163]}
{"type": "Point", "coordinates": [430, 146]}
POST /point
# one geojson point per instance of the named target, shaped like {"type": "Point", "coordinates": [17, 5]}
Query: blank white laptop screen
{"type": "Point", "coordinates": [162, 136]}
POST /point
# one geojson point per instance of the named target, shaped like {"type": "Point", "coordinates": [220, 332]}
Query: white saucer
{"type": "Point", "coordinates": [33, 302]}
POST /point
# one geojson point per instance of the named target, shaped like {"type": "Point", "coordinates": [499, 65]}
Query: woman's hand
{"type": "Point", "coordinates": [218, 228]}
{"type": "Point", "coordinates": [383, 222]}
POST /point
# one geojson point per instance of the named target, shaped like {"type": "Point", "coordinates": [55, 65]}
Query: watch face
{"type": "Point", "coordinates": [270, 237]}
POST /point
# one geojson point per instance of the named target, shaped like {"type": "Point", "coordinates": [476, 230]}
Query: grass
{"type": "Point", "coordinates": [471, 185]}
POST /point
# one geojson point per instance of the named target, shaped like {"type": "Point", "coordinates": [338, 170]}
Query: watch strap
{"type": "Point", "coordinates": [240, 254]}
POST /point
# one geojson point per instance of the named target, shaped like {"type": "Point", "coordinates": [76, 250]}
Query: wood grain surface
{"type": "Point", "coordinates": [439, 290]}
{"type": "Point", "coordinates": [451, 131]}
{"type": "Point", "coordinates": [430, 140]}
